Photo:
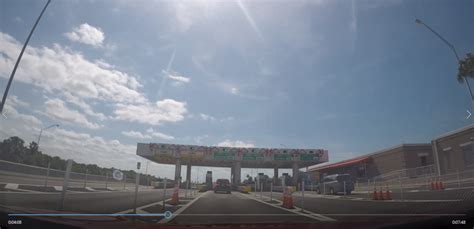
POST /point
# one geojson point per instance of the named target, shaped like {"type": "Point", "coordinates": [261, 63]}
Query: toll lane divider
{"type": "Point", "coordinates": [295, 210]}
{"type": "Point", "coordinates": [176, 213]}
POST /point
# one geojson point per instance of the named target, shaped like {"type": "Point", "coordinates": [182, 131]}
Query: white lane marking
{"type": "Point", "coordinates": [142, 207]}
{"type": "Point", "coordinates": [176, 213]}
{"type": "Point", "coordinates": [296, 210]}
{"type": "Point", "coordinates": [365, 199]}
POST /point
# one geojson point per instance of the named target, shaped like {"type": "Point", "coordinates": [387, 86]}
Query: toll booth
{"type": "Point", "coordinates": [209, 184]}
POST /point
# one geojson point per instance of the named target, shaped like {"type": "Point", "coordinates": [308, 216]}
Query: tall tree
{"type": "Point", "coordinates": [466, 68]}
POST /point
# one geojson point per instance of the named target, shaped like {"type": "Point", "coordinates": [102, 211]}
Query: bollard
{"type": "Point", "coordinates": [324, 188]}
{"type": "Point", "coordinates": [261, 191]}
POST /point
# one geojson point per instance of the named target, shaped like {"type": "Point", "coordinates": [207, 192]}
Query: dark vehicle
{"type": "Point", "coordinates": [222, 185]}
{"type": "Point", "coordinates": [337, 183]}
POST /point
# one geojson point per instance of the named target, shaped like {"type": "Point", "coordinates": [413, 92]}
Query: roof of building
{"type": "Point", "coordinates": [447, 134]}
{"type": "Point", "coordinates": [363, 158]}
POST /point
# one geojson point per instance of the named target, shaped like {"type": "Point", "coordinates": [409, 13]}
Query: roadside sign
{"type": "Point", "coordinates": [117, 174]}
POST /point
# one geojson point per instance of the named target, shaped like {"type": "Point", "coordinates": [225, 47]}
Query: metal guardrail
{"type": "Point", "coordinates": [41, 176]}
{"type": "Point", "coordinates": [453, 180]}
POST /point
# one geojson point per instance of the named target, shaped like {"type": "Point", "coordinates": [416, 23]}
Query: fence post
{"type": "Point", "coordinates": [302, 197]}
{"type": "Point", "coordinates": [271, 191]}
{"type": "Point", "coordinates": [459, 180]}
{"type": "Point", "coordinates": [344, 188]}
{"type": "Point", "coordinates": [106, 179]}
{"type": "Point", "coordinates": [85, 181]}
{"type": "Point", "coordinates": [124, 181]}
{"type": "Point", "coordinates": [164, 194]}
{"type": "Point", "coordinates": [368, 190]}
{"type": "Point", "coordinates": [137, 180]}
{"type": "Point", "coordinates": [65, 184]}
{"type": "Point", "coordinates": [401, 187]}
{"type": "Point", "coordinates": [47, 175]}
{"type": "Point", "coordinates": [186, 191]}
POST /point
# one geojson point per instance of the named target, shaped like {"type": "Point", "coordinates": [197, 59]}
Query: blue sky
{"type": "Point", "coordinates": [348, 76]}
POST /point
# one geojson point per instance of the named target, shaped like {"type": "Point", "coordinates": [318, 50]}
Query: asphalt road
{"type": "Point", "coordinates": [235, 208]}
{"type": "Point", "coordinates": [101, 202]}
{"type": "Point", "coordinates": [364, 210]}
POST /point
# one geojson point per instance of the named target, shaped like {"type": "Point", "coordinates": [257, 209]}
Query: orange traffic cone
{"type": "Point", "coordinates": [381, 197]}
{"type": "Point", "coordinates": [175, 197]}
{"type": "Point", "coordinates": [441, 185]}
{"type": "Point", "coordinates": [375, 195]}
{"type": "Point", "coordinates": [387, 194]}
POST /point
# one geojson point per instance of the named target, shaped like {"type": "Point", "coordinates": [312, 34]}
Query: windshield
{"type": "Point", "coordinates": [317, 113]}
{"type": "Point", "coordinates": [342, 178]}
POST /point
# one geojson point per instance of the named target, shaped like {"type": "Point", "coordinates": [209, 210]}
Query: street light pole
{"type": "Point", "coordinates": [418, 21]}
{"type": "Point", "coordinates": [41, 132]}
{"type": "Point", "coordinates": [19, 58]}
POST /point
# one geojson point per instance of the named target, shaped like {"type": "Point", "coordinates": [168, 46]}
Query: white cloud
{"type": "Point", "coordinates": [229, 143]}
{"type": "Point", "coordinates": [181, 79]}
{"type": "Point", "coordinates": [86, 108]}
{"type": "Point", "coordinates": [12, 114]}
{"type": "Point", "coordinates": [206, 117]}
{"type": "Point", "coordinates": [135, 134]}
{"type": "Point", "coordinates": [234, 90]}
{"type": "Point", "coordinates": [178, 79]}
{"type": "Point", "coordinates": [86, 34]}
{"type": "Point", "coordinates": [56, 109]}
{"type": "Point", "coordinates": [60, 71]}
{"type": "Point", "coordinates": [167, 110]}
{"type": "Point", "coordinates": [162, 136]}
{"type": "Point", "coordinates": [150, 134]}
{"type": "Point", "coordinates": [16, 102]}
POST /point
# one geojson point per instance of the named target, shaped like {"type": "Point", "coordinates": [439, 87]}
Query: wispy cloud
{"type": "Point", "coordinates": [250, 19]}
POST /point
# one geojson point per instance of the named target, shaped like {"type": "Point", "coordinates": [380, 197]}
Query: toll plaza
{"type": "Point", "coordinates": [232, 157]}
